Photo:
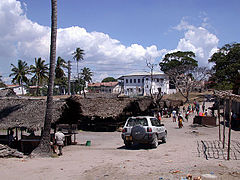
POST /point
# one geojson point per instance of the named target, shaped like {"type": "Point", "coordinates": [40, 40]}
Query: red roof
{"type": "Point", "coordinates": [109, 84]}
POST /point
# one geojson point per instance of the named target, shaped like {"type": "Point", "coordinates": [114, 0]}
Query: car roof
{"type": "Point", "coordinates": [142, 117]}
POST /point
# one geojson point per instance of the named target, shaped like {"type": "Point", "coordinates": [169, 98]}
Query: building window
{"type": "Point", "coordinates": [134, 80]}
{"type": "Point", "coordinates": [142, 80]}
{"type": "Point", "coordinates": [138, 80]}
{"type": "Point", "coordinates": [139, 89]}
{"type": "Point", "coordinates": [157, 80]}
{"type": "Point", "coordinates": [162, 80]}
{"type": "Point", "coordinates": [146, 79]}
{"type": "Point", "coordinates": [130, 80]}
{"type": "Point", "coordinates": [126, 80]}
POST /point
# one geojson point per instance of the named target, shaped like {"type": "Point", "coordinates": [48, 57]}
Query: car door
{"type": "Point", "coordinates": [157, 127]}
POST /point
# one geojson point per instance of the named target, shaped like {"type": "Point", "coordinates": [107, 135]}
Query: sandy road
{"type": "Point", "coordinates": [107, 158]}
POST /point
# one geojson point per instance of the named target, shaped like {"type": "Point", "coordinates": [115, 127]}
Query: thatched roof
{"type": "Point", "coordinates": [108, 107]}
{"type": "Point", "coordinates": [28, 113]}
{"type": "Point", "coordinates": [79, 110]}
{"type": "Point", "coordinates": [7, 93]}
{"type": "Point", "coordinates": [227, 95]}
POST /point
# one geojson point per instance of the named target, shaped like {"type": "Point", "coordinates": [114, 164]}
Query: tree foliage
{"type": "Point", "coordinates": [179, 66]}
{"type": "Point", "coordinates": [86, 76]}
{"type": "Point", "coordinates": [20, 73]}
{"type": "Point", "coordinates": [109, 79]}
{"type": "Point", "coordinates": [181, 60]}
{"type": "Point", "coordinates": [40, 71]}
{"type": "Point", "coordinates": [226, 65]}
{"type": "Point", "coordinates": [60, 77]}
{"type": "Point", "coordinates": [1, 82]}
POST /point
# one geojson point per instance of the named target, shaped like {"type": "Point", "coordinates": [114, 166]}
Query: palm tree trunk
{"type": "Point", "coordinates": [21, 84]}
{"type": "Point", "coordinates": [44, 148]}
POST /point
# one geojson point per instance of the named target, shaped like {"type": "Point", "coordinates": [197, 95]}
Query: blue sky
{"type": "Point", "coordinates": [118, 36]}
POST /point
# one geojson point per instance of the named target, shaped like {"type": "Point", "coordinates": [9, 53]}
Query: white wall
{"type": "Point", "coordinates": [141, 84]}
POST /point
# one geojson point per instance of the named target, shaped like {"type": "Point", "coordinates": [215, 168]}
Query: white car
{"type": "Point", "coordinates": [143, 129]}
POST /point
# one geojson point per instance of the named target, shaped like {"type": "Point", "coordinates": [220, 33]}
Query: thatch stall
{"type": "Point", "coordinates": [24, 115]}
{"type": "Point", "coordinates": [102, 113]}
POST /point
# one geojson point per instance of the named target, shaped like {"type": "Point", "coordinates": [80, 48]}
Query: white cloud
{"type": "Point", "coordinates": [199, 40]}
{"type": "Point", "coordinates": [20, 38]}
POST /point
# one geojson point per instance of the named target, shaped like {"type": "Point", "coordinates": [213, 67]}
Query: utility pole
{"type": "Point", "coordinates": [69, 77]}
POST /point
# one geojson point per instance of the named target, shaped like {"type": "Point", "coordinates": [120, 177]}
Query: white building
{"type": "Point", "coordinates": [19, 90]}
{"type": "Point", "coordinates": [140, 84]}
{"type": "Point", "coordinates": [105, 87]}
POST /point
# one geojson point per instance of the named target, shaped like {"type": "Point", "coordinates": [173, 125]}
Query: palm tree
{"type": "Point", "coordinates": [40, 71]}
{"type": "Point", "coordinates": [60, 77]}
{"type": "Point", "coordinates": [59, 72]}
{"type": "Point", "coordinates": [44, 148]}
{"type": "Point", "coordinates": [20, 73]}
{"type": "Point", "coordinates": [78, 56]}
{"type": "Point", "coordinates": [86, 76]}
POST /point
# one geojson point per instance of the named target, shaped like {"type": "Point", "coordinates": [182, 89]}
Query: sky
{"type": "Point", "coordinates": [117, 36]}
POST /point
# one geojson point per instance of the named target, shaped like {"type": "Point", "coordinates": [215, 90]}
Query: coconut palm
{"type": "Point", "coordinates": [78, 56]}
{"type": "Point", "coordinates": [40, 71]}
{"type": "Point", "coordinates": [86, 76]}
{"type": "Point", "coordinates": [60, 77]}
{"type": "Point", "coordinates": [44, 148]}
{"type": "Point", "coordinates": [20, 73]}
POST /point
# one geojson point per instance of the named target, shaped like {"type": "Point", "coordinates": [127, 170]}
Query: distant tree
{"type": "Point", "coordinates": [1, 82]}
{"type": "Point", "coordinates": [60, 77]}
{"type": "Point", "coordinates": [109, 79]}
{"type": "Point", "coordinates": [86, 76]}
{"type": "Point", "coordinates": [78, 56]}
{"type": "Point", "coordinates": [179, 67]}
{"type": "Point", "coordinates": [20, 73]}
{"type": "Point", "coordinates": [226, 65]}
{"type": "Point", "coordinates": [40, 71]}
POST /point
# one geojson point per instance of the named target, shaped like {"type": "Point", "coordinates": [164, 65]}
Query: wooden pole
{"type": "Point", "coordinates": [16, 134]}
{"type": "Point", "coordinates": [230, 127]}
{"type": "Point", "coordinates": [224, 122]}
{"type": "Point", "coordinates": [219, 121]}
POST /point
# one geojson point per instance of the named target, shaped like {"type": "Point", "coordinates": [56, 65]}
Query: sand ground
{"type": "Point", "coordinates": [107, 158]}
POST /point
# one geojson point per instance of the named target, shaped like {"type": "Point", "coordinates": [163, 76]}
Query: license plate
{"type": "Point", "coordinates": [129, 138]}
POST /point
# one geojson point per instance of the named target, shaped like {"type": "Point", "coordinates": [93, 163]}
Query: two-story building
{"type": "Point", "coordinates": [142, 83]}
{"type": "Point", "coordinates": [104, 87]}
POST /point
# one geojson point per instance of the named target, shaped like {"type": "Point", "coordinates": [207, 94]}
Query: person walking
{"type": "Point", "coordinates": [180, 121]}
{"type": "Point", "coordinates": [59, 139]}
{"type": "Point", "coordinates": [174, 112]}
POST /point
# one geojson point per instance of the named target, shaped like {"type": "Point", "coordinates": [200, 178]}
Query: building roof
{"type": "Point", "coordinates": [104, 107]}
{"type": "Point", "coordinates": [27, 113]}
{"type": "Point", "coordinates": [107, 84]}
{"type": "Point", "coordinates": [142, 74]}
{"type": "Point", "coordinates": [12, 85]}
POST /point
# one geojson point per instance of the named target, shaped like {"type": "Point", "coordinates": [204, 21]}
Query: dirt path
{"type": "Point", "coordinates": [107, 158]}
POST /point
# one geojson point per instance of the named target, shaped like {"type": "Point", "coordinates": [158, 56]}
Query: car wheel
{"type": "Point", "coordinates": [127, 144]}
{"type": "Point", "coordinates": [164, 139]}
{"type": "Point", "coordinates": [155, 142]}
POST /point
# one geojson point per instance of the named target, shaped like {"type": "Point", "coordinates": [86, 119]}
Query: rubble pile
{"type": "Point", "coordinates": [6, 151]}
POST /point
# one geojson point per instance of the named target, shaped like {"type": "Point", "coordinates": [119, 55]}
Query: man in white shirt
{"type": "Point", "coordinates": [59, 139]}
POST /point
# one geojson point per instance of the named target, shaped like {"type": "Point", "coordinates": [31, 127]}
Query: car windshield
{"type": "Point", "coordinates": [137, 121]}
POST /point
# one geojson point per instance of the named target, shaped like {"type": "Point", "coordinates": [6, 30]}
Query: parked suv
{"type": "Point", "coordinates": [143, 129]}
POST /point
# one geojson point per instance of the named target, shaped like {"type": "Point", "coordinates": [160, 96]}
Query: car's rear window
{"type": "Point", "coordinates": [137, 121]}
{"type": "Point", "coordinates": [155, 122]}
